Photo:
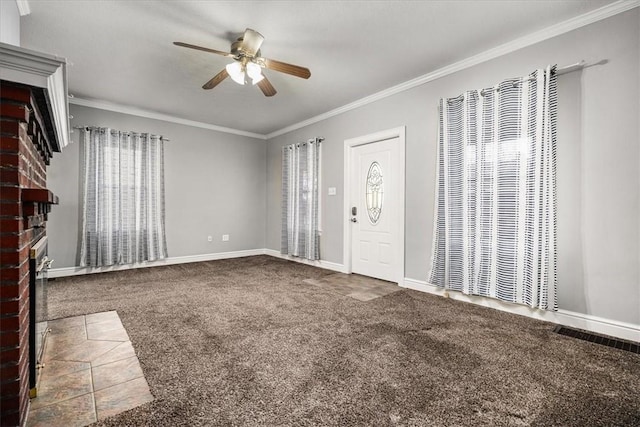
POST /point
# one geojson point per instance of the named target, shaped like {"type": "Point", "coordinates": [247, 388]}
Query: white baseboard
{"type": "Point", "coordinates": [319, 263]}
{"type": "Point", "coordinates": [587, 322]}
{"type": "Point", "coordinates": [76, 271]}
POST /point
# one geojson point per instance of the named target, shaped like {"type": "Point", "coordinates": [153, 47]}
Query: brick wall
{"type": "Point", "coordinates": [24, 154]}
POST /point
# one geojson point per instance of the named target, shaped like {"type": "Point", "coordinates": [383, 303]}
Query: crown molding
{"type": "Point", "coordinates": [124, 109]}
{"type": "Point", "coordinates": [512, 46]}
{"type": "Point", "coordinates": [23, 7]}
{"type": "Point", "coordinates": [44, 71]}
{"type": "Point", "coordinates": [519, 43]}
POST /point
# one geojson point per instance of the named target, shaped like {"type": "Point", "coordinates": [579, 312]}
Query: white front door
{"type": "Point", "coordinates": [375, 171]}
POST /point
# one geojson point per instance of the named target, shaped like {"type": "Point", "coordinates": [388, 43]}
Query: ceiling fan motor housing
{"type": "Point", "coordinates": [248, 45]}
{"type": "Point", "coordinates": [236, 48]}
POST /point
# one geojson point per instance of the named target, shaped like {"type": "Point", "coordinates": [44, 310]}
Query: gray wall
{"type": "Point", "coordinates": [215, 182]}
{"type": "Point", "coordinates": [9, 22]}
{"type": "Point", "coordinates": [598, 163]}
{"type": "Point", "coordinates": [214, 185]}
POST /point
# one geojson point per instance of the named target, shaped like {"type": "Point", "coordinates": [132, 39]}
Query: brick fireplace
{"type": "Point", "coordinates": [29, 134]}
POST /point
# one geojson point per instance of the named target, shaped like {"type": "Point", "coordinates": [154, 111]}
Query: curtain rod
{"type": "Point", "coordinates": [114, 130]}
{"type": "Point", "coordinates": [566, 69]}
{"type": "Point", "coordinates": [573, 67]}
{"type": "Point", "coordinates": [317, 139]}
{"type": "Point", "coordinates": [559, 71]}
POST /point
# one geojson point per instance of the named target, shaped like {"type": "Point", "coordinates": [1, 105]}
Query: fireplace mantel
{"type": "Point", "coordinates": [34, 123]}
{"type": "Point", "coordinates": [47, 73]}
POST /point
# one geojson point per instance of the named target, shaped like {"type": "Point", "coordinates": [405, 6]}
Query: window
{"type": "Point", "coordinates": [495, 220]}
{"type": "Point", "coordinates": [374, 192]}
{"type": "Point", "coordinates": [123, 198]}
{"type": "Point", "coordinates": [301, 199]}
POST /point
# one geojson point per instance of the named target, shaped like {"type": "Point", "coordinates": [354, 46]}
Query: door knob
{"type": "Point", "coordinates": [354, 219]}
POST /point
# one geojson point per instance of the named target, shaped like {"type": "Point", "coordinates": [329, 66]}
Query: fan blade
{"type": "Point", "coordinates": [251, 42]}
{"type": "Point", "coordinates": [204, 49]}
{"type": "Point", "coordinates": [283, 67]}
{"type": "Point", "coordinates": [266, 87]}
{"type": "Point", "coordinates": [216, 80]}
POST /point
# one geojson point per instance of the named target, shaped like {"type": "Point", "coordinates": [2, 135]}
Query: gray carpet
{"type": "Point", "coordinates": [247, 342]}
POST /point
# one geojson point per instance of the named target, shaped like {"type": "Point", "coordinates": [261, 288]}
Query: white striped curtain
{"type": "Point", "coordinates": [123, 219]}
{"type": "Point", "coordinates": [495, 209]}
{"type": "Point", "coordinates": [300, 199]}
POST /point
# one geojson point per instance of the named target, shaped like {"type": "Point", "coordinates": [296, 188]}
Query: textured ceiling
{"type": "Point", "coordinates": [122, 52]}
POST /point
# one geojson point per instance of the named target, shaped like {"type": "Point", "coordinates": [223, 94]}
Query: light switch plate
{"type": "Point", "coordinates": [332, 191]}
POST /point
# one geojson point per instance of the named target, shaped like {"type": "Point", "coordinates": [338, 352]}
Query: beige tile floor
{"type": "Point", "coordinates": [359, 287]}
{"type": "Point", "coordinates": [90, 372]}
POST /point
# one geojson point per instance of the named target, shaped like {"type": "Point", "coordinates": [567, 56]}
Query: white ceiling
{"type": "Point", "coordinates": [121, 51]}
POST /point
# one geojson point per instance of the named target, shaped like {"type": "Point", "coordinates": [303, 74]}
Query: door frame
{"type": "Point", "coordinates": [399, 133]}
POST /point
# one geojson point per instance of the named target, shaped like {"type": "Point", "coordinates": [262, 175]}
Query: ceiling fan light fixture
{"type": "Point", "coordinates": [257, 79]}
{"type": "Point", "coordinates": [236, 72]}
{"type": "Point", "coordinates": [254, 71]}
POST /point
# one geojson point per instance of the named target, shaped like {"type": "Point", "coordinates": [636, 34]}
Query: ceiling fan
{"type": "Point", "coordinates": [248, 63]}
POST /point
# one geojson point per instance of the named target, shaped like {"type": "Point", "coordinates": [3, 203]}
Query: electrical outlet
{"type": "Point", "coordinates": [225, 237]}
{"type": "Point", "coordinates": [209, 238]}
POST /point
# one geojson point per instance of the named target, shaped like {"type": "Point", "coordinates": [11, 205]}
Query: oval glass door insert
{"type": "Point", "coordinates": [374, 192]}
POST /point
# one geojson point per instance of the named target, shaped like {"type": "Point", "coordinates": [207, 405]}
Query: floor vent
{"type": "Point", "coordinates": [625, 345]}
